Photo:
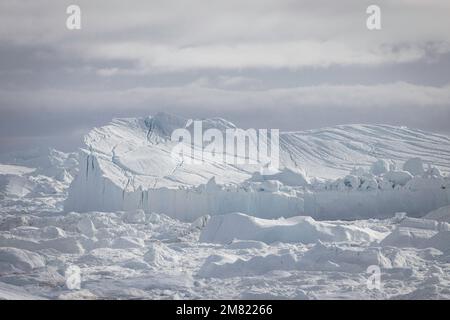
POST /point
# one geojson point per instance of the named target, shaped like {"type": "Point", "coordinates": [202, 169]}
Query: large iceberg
{"type": "Point", "coordinates": [128, 165]}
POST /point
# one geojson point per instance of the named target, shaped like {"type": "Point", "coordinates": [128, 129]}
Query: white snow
{"type": "Point", "coordinates": [225, 228]}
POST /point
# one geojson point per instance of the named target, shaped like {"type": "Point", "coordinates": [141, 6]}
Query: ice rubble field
{"type": "Point", "coordinates": [140, 226]}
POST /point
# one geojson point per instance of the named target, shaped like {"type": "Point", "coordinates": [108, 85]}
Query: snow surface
{"type": "Point", "coordinates": [139, 226]}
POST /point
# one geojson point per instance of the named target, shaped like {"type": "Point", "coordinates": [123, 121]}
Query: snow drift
{"type": "Point", "coordinates": [225, 228]}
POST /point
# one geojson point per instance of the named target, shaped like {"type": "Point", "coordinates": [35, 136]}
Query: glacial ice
{"type": "Point", "coordinates": [127, 166]}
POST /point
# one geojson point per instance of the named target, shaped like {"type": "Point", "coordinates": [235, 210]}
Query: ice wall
{"type": "Point", "coordinates": [93, 190]}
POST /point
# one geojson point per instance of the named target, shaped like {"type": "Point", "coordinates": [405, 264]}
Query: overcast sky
{"type": "Point", "coordinates": [286, 64]}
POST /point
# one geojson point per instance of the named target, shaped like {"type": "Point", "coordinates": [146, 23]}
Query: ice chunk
{"type": "Point", "coordinates": [200, 222]}
{"type": "Point", "coordinates": [64, 245]}
{"type": "Point", "coordinates": [351, 182]}
{"type": "Point", "coordinates": [403, 237]}
{"type": "Point", "coordinates": [441, 214]}
{"type": "Point", "coordinates": [52, 232]}
{"type": "Point", "coordinates": [128, 243]}
{"type": "Point", "coordinates": [326, 257]}
{"type": "Point", "coordinates": [225, 228]}
{"type": "Point", "coordinates": [137, 216]}
{"type": "Point", "coordinates": [223, 266]}
{"type": "Point", "coordinates": [287, 176]}
{"type": "Point", "coordinates": [379, 167]}
{"type": "Point", "coordinates": [414, 166]}
{"type": "Point", "coordinates": [368, 183]}
{"type": "Point", "coordinates": [419, 223]}
{"type": "Point", "coordinates": [247, 244]}
{"type": "Point", "coordinates": [159, 255]}
{"type": "Point", "coordinates": [12, 292]}
{"type": "Point", "coordinates": [440, 241]}
{"type": "Point", "coordinates": [86, 227]}
{"type": "Point", "coordinates": [398, 177]}
{"type": "Point", "coordinates": [270, 186]}
{"type": "Point", "coordinates": [19, 260]}
{"type": "Point", "coordinates": [11, 222]}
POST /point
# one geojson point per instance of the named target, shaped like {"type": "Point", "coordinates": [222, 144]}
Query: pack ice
{"type": "Point", "coordinates": [134, 224]}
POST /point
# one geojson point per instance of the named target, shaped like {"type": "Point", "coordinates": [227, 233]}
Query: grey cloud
{"type": "Point", "coordinates": [70, 113]}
